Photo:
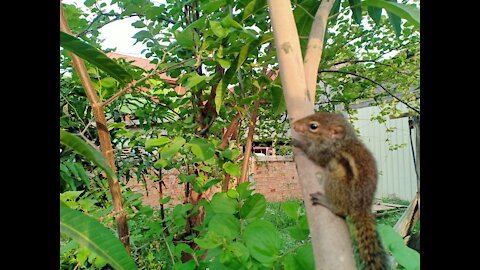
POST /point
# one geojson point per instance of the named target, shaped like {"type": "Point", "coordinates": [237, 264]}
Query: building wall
{"type": "Point", "coordinates": [396, 168]}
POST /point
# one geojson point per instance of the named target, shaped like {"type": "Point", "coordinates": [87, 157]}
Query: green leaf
{"type": "Point", "coordinates": [224, 63]}
{"type": "Point", "coordinates": [169, 150]}
{"type": "Point", "coordinates": [393, 242]}
{"type": "Point", "coordinates": [375, 14]}
{"type": "Point", "coordinates": [211, 240]}
{"type": "Point", "coordinates": [161, 163]}
{"type": "Point", "coordinates": [243, 190]}
{"type": "Point", "coordinates": [94, 56]}
{"type": "Point", "coordinates": [194, 79]}
{"type": "Point", "coordinates": [254, 207]}
{"type": "Point", "coordinates": [212, 6]}
{"type": "Point", "coordinates": [239, 250]}
{"type": "Point", "coordinates": [225, 225]}
{"type": "Point", "coordinates": [356, 10]}
{"type": "Point", "coordinates": [202, 148]}
{"type": "Point", "coordinates": [82, 148]}
{"type": "Point", "coordinates": [232, 193]}
{"type": "Point", "coordinates": [187, 38]}
{"type": "Point", "coordinates": [298, 233]}
{"type": "Point", "coordinates": [263, 242]}
{"type": "Point", "coordinates": [232, 169]}
{"type": "Point", "coordinates": [90, 233]}
{"type": "Point", "coordinates": [304, 257]}
{"type": "Point", "coordinates": [249, 9]}
{"type": "Point", "coordinates": [238, 62]}
{"type": "Point", "coordinates": [407, 12]}
{"type": "Point", "coordinates": [230, 154]}
{"type": "Point", "coordinates": [219, 95]}
{"type": "Point", "coordinates": [278, 101]}
{"type": "Point", "coordinates": [155, 142]}
{"type": "Point", "coordinates": [222, 204]}
{"type": "Point", "coordinates": [334, 11]}
{"type": "Point", "coordinates": [218, 30]}
{"type": "Point", "coordinates": [229, 21]}
{"type": "Point", "coordinates": [292, 209]}
{"type": "Point", "coordinates": [108, 82]}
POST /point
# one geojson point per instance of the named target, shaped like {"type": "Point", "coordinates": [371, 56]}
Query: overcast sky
{"type": "Point", "coordinates": [117, 34]}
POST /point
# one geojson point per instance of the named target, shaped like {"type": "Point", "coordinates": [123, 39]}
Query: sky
{"type": "Point", "coordinates": [117, 34]}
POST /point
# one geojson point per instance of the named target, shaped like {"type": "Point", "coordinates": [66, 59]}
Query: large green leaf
{"type": "Point", "coordinates": [375, 13]}
{"type": "Point", "coordinates": [225, 225]}
{"type": "Point", "coordinates": [393, 242]}
{"type": "Point", "coordinates": [90, 233]}
{"type": "Point", "coordinates": [222, 204]}
{"type": "Point", "coordinates": [356, 10]}
{"type": "Point", "coordinates": [81, 147]}
{"type": "Point", "coordinates": [409, 13]}
{"type": "Point", "coordinates": [202, 148]}
{"type": "Point", "coordinates": [172, 148]}
{"type": "Point", "coordinates": [278, 102]}
{"type": "Point", "coordinates": [254, 207]}
{"type": "Point", "coordinates": [94, 56]}
{"type": "Point", "coordinates": [263, 242]}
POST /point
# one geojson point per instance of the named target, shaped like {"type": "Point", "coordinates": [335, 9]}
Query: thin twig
{"type": "Point", "coordinates": [374, 82]}
{"type": "Point", "coordinates": [168, 247]}
{"type": "Point", "coordinates": [133, 84]}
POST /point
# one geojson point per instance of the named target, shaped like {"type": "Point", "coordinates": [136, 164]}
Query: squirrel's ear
{"type": "Point", "coordinates": [337, 132]}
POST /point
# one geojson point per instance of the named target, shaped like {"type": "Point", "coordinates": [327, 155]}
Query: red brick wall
{"type": "Point", "coordinates": [273, 176]}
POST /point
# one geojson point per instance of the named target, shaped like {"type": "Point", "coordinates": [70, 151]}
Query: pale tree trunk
{"type": "Point", "coordinates": [104, 137]}
{"type": "Point", "coordinates": [331, 242]}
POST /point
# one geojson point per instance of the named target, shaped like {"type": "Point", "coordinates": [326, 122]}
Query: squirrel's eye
{"type": "Point", "coordinates": [313, 126]}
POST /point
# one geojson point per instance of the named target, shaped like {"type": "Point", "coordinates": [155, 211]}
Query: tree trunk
{"type": "Point", "coordinates": [331, 242]}
{"type": "Point", "coordinates": [104, 137]}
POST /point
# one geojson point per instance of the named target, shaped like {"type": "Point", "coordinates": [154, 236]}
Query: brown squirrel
{"type": "Point", "coordinates": [330, 141]}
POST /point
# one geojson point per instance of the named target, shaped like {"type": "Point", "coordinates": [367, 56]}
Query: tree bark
{"type": "Point", "coordinates": [331, 242]}
{"type": "Point", "coordinates": [104, 137]}
{"type": "Point", "coordinates": [248, 147]}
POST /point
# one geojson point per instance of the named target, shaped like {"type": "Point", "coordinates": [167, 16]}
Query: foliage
{"type": "Point", "coordinates": [221, 53]}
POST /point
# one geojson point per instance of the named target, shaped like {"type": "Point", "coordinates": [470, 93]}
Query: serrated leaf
{"type": "Point", "coordinates": [225, 225]}
{"type": "Point", "coordinates": [169, 150]}
{"type": "Point", "coordinates": [202, 148]}
{"type": "Point", "coordinates": [263, 242]}
{"type": "Point", "coordinates": [90, 233]}
{"type": "Point", "coordinates": [94, 56]}
{"type": "Point", "coordinates": [254, 207]}
{"type": "Point", "coordinates": [155, 142]}
{"type": "Point", "coordinates": [222, 204]}
{"type": "Point", "coordinates": [232, 168]}
{"type": "Point", "coordinates": [84, 149]}
{"type": "Point", "coordinates": [356, 10]}
{"type": "Point", "coordinates": [244, 190]}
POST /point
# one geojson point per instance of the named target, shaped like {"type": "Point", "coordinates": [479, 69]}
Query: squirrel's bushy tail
{"type": "Point", "coordinates": [369, 245]}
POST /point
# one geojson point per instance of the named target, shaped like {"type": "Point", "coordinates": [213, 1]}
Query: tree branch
{"type": "Point", "coordinates": [374, 82]}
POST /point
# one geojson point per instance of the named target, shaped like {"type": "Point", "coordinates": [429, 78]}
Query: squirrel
{"type": "Point", "coordinates": [330, 141]}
